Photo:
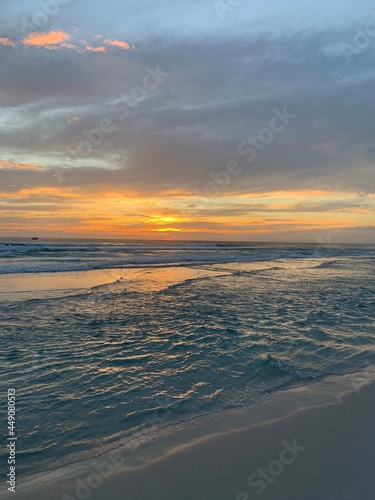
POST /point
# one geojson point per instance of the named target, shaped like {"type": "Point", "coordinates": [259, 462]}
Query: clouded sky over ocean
{"type": "Point", "coordinates": [193, 119]}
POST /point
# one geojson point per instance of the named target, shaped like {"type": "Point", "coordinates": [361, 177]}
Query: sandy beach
{"type": "Point", "coordinates": [320, 452]}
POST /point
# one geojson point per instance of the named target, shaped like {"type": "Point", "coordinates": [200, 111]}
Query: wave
{"type": "Point", "coordinates": [286, 367]}
{"type": "Point", "coordinates": [65, 256]}
{"type": "Point", "coordinates": [333, 264]}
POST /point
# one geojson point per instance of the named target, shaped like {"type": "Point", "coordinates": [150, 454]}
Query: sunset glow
{"type": "Point", "coordinates": [106, 132]}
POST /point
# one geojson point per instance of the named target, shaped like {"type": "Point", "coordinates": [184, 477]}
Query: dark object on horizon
{"type": "Point", "coordinates": [35, 238]}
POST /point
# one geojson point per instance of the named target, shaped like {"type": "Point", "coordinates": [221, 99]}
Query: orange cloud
{"type": "Point", "coordinates": [95, 49]}
{"type": "Point", "coordinates": [22, 166]}
{"type": "Point", "coordinates": [65, 45]}
{"type": "Point", "coordinates": [46, 192]}
{"type": "Point", "coordinates": [5, 41]}
{"type": "Point", "coordinates": [114, 212]}
{"type": "Point", "coordinates": [42, 39]}
{"type": "Point", "coordinates": [55, 40]}
{"type": "Point", "coordinates": [117, 43]}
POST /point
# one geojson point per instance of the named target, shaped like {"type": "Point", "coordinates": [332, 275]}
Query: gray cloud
{"type": "Point", "coordinates": [219, 91]}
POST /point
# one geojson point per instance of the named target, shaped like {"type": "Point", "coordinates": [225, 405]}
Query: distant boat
{"type": "Point", "coordinates": [35, 238]}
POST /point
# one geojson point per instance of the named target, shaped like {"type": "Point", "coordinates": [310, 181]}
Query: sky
{"type": "Point", "coordinates": [193, 120]}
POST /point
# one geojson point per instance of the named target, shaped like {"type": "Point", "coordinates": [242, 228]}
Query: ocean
{"type": "Point", "coordinates": [112, 342]}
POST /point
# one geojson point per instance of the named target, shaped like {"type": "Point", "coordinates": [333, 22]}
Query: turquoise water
{"type": "Point", "coordinates": [105, 341]}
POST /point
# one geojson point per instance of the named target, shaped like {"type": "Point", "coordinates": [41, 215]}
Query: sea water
{"type": "Point", "coordinates": [105, 341]}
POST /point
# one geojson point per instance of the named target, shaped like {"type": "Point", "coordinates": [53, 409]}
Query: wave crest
{"type": "Point", "coordinates": [291, 369]}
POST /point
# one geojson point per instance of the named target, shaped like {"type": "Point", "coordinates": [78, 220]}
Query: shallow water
{"type": "Point", "coordinates": [101, 356]}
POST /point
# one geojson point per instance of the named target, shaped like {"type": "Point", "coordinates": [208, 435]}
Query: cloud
{"type": "Point", "coordinates": [371, 229]}
{"type": "Point", "coordinates": [48, 40]}
{"type": "Point", "coordinates": [55, 40]}
{"type": "Point", "coordinates": [118, 43]}
{"type": "Point", "coordinates": [220, 91]}
{"type": "Point", "coordinates": [94, 49]}
{"type": "Point", "coordinates": [65, 45]}
{"type": "Point", "coordinates": [19, 166]}
{"type": "Point", "coordinates": [6, 41]}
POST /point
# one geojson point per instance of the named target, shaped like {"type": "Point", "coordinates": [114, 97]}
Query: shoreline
{"type": "Point", "coordinates": [334, 403]}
